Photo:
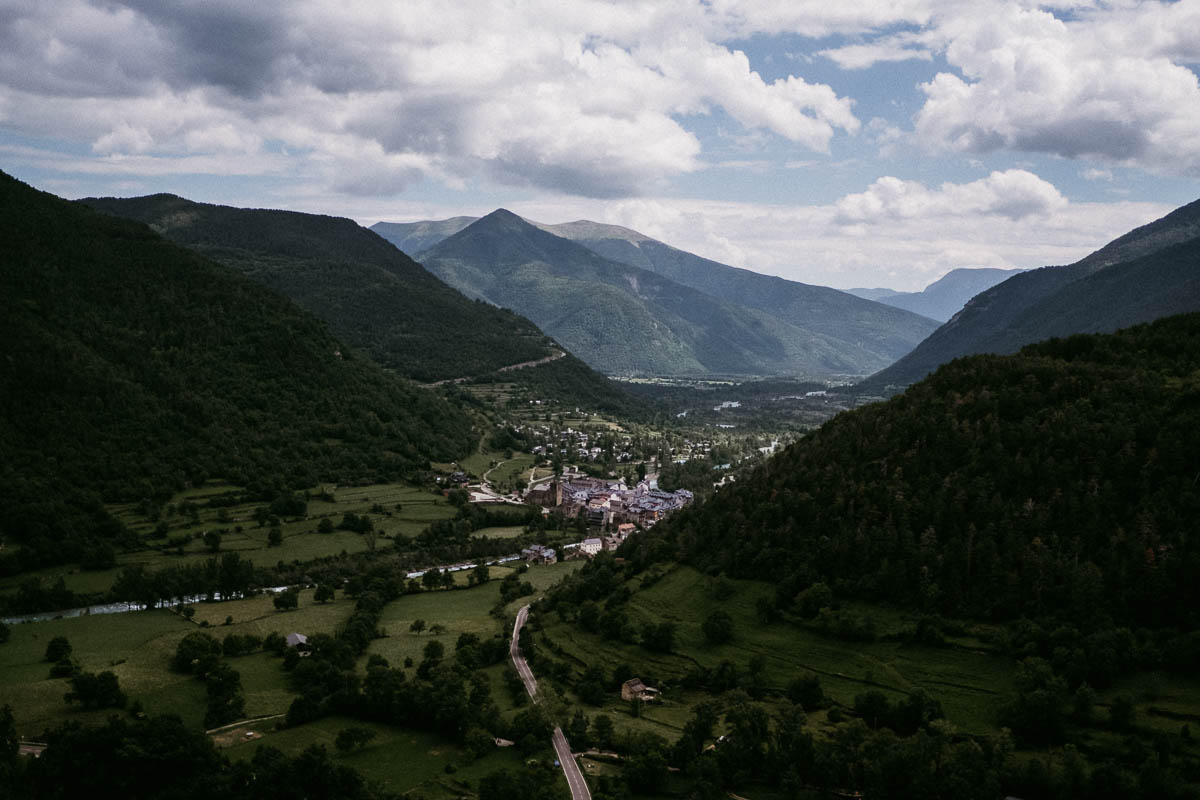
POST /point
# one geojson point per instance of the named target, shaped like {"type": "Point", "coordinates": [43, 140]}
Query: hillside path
{"type": "Point", "coordinates": [562, 748]}
{"type": "Point", "coordinates": [553, 357]}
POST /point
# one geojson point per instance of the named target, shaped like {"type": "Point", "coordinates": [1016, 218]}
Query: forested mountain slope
{"type": "Point", "coordinates": [887, 331]}
{"type": "Point", "coordinates": [626, 320]}
{"type": "Point", "coordinates": [1062, 480]}
{"type": "Point", "coordinates": [1150, 272]}
{"type": "Point", "coordinates": [133, 367]}
{"type": "Point", "coordinates": [819, 325]}
{"type": "Point", "coordinates": [371, 294]}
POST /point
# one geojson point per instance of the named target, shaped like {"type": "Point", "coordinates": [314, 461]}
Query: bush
{"type": "Point", "coordinates": [197, 653]}
{"type": "Point", "coordinates": [57, 649]}
{"type": "Point", "coordinates": [718, 628]}
{"type": "Point", "coordinates": [96, 691]}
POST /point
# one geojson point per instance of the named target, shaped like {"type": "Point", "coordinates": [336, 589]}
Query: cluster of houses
{"type": "Point", "coordinates": [580, 445]}
{"type": "Point", "coordinates": [606, 501]}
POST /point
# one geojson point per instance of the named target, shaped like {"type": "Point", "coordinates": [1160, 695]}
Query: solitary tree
{"type": "Point", "coordinates": [212, 540]}
{"type": "Point", "coordinates": [58, 649]}
{"type": "Point", "coordinates": [286, 601]}
{"type": "Point", "coordinates": [417, 626]}
{"type": "Point", "coordinates": [353, 738]}
{"type": "Point", "coordinates": [718, 628]}
{"type": "Point", "coordinates": [324, 593]}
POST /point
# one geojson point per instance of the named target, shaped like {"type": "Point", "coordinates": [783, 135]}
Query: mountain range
{"type": "Point", "coordinates": [1150, 272]}
{"type": "Point", "coordinates": [628, 304]}
{"type": "Point", "coordinates": [370, 293]}
{"type": "Point", "coordinates": [943, 298]}
{"type": "Point", "coordinates": [135, 367]}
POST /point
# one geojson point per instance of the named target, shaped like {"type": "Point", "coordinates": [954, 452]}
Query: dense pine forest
{"type": "Point", "coordinates": [134, 367]}
{"type": "Point", "coordinates": [370, 294]}
{"type": "Point", "coordinates": [1061, 481]}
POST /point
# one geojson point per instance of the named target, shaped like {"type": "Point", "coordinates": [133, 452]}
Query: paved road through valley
{"type": "Point", "coordinates": [579, 787]}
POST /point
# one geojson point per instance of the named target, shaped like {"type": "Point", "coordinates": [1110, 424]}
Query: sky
{"type": "Point", "coordinates": [867, 144]}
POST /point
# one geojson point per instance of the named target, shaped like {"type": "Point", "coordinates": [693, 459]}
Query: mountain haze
{"type": "Point", "coordinates": [884, 331]}
{"type": "Point", "coordinates": [1150, 272]}
{"type": "Point", "coordinates": [762, 325]}
{"type": "Point", "coordinates": [943, 298]}
{"type": "Point", "coordinates": [413, 237]}
{"type": "Point", "coordinates": [626, 320]}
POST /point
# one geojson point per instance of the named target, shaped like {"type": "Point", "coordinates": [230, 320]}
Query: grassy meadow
{"type": "Point", "coordinates": [138, 646]}
{"type": "Point", "coordinates": [417, 508]}
{"type": "Point", "coordinates": [968, 682]}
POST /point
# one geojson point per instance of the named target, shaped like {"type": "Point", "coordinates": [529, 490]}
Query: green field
{"type": "Point", "coordinates": [138, 647]}
{"type": "Point", "coordinates": [507, 472]}
{"type": "Point", "coordinates": [506, 532]}
{"type": "Point", "coordinates": [967, 682]}
{"type": "Point", "coordinates": [399, 760]}
{"type": "Point", "coordinates": [966, 677]}
{"type": "Point", "coordinates": [301, 542]}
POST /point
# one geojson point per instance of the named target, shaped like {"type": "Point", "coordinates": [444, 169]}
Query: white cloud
{"type": "Point", "coordinates": [1093, 174]}
{"type": "Point", "coordinates": [900, 47]}
{"type": "Point", "coordinates": [585, 99]}
{"type": "Point", "coordinates": [817, 18]}
{"type": "Point", "coordinates": [818, 245]}
{"type": "Point", "coordinates": [1014, 194]}
{"type": "Point", "coordinates": [1104, 84]}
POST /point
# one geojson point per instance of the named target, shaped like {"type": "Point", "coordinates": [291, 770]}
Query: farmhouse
{"type": "Point", "coordinates": [635, 689]}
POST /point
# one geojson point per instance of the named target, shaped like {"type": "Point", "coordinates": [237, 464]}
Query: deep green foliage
{"type": "Point", "coordinates": [223, 687]}
{"type": "Point", "coordinates": [570, 382]}
{"type": "Point", "coordinates": [93, 690]}
{"type": "Point", "coordinates": [159, 758]}
{"type": "Point", "coordinates": [197, 653]}
{"type": "Point", "coordinates": [717, 627]}
{"type": "Point", "coordinates": [1062, 480]}
{"type": "Point", "coordinates": [371, 294]}
{"type": "Point", "coordinates": [57, 649]}
{"type": "Point", "coordinates": [136, 367]}
{"type": "Point", "coordinates": [353, 738]}
{"type": "Point", "coordinates": [1148, 273]}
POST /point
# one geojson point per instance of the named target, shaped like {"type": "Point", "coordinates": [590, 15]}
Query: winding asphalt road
{"type": "Point", "coordinates": [579, 787]}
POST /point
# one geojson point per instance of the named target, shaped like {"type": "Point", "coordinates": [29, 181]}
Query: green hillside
{"type": "Point", "coordinates": [1058, 482]}
{"type": "Point", "coordinates": [875, 327]}
{"type": "Point", "coordinates": [371, 294]}
{"type": "Point", "coordinates": [625, 320]}
{"type": "Point", "coordinates": [134, 367]}
{"type": "Point", "coordinates": [1150, 272]}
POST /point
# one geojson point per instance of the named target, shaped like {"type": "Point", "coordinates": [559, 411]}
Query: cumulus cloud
{"type": "Point", "coordinates": [582, 100]}
{"type": "Point", "coordinates": [1109, 85]}
{"type": "Point", "coordinates": [900, 47]}
{"type": "Point", "coordinates": [816, 244]}
{"type": "Point", "coordinates": [1014, 193]}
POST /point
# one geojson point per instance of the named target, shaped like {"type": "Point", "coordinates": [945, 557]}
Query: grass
{"type": "Point", "coordinates": [135, 646]}
{"type": "Point", "coordinates": [967, 683]}
{"type": "Point", "coordinates": [138, 647]}
{"type": "Point", "coordinates": [400, 761]}
{"type": "Point", "coordinates": [506, 532]}
{"type": "Point", "coordinates": [301, 542]}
